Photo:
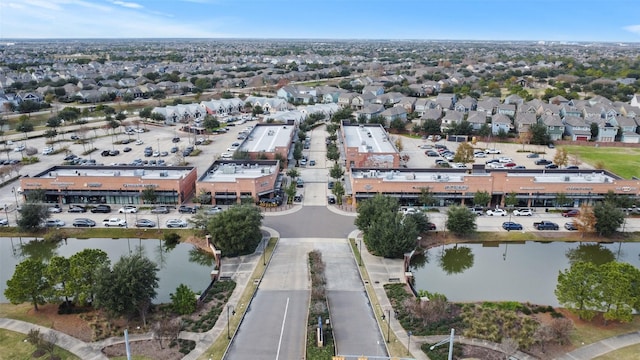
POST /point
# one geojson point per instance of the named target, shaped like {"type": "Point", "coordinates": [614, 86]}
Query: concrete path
{"type": "Point", "coordinates": [602, 347]}
{"type": "Point", "coordinates": [69, 343]}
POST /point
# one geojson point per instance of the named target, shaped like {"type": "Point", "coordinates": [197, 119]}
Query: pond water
{"type": "Point", "coordinates": [181, 265]}
{"type": "Point", "coordinates": [509, 272]}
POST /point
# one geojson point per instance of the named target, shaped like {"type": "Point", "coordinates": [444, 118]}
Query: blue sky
{"type": "Point", "coordinates": [553, 20]}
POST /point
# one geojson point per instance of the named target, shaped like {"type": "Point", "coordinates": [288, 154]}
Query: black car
{"type": "Point", "coordinates": [104, 209]}
{"type": "Point", "coordinates": [83, 222]}
{"type": "Point", "coordinates": [114, 152]}
{"type": "Point", "coordinates": [70, 157]}
{"type": "Point", "coordinates": [77, 209]}
{"type": "Point", "coordinates": [175, 139]}
{"type": "Point", "coordinates": [104, 153]}
{"type": "Point", "coordinates": [543, 162]}
{"type": "Point", "coordinates": [126, 149]}
{"type": "Point", "coordinates": [431, 226]}
{"type": "Point", "coordinates": [184, 209]}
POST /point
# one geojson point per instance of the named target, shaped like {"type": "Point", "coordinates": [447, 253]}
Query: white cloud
{"type": "Point", "coordinates": [633, 28]}
{"type": "Point", "coordinates": [130, 5]}
{"type": "Point", "coordinates": [86, 19]}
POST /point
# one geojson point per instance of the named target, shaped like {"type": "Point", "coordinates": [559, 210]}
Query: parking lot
{"type": "Point", "coordinates": [159, 138]}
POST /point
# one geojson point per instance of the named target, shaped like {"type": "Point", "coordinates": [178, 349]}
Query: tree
{"type": "Point", "coordinates": [237, 230]}
{"type": "Point", "coordinates": [426, 197]}
{"type": "Point", "coordinates": [539, 134]}
{"type": "Point", "coordinates": [336, 171]}
{"type": "Point", "coordinates": [460, 221]}
{"type": "Point", "coordinates": [511, 199]}
{"type": "Point", "coordinates": [28, 283]}
{"type": "Point", "coordinates": [391, 235]}
{"type": "Point", "coordinates": [608, 218]}
{"type": "Point", "coordinates": [586, 220]}
{"type": "Point", "coordinates": [618, 290]}
{"type": "Point", "coordinates": [32, 217]}
{"type": "Point", "coordinates": [481, 198]}
{"type": "Point", "coordinates": [562, 199]}
{"type": "Point", "coordinates": [333, 153]}
{"type": "Point", "coordinates": [370, 209]}
{"type": "Point", "coordinates": [464, 154]}
{"type": "Point", "coordinates": [148, 195]}
{"type": "Point", "coordinates": [58, 274]}
{"type": "Point", "coordinates": [293, 173]}
{"type": "Point", "coordinates": [84, 267]}
{"type": "Point", "coordinates": [339, 191]}
{"type": "Point", "coordinates": [210, 122]}
{"type": "Point", "coordinates": [524, 138]}
{"type": "Point", "coordinates": [24, 126]}
{"type": "Point", "coordinates": [183, 302]}
{"type": "Point", "coordinates": [576, 289]}
{"type": "Point", "coordinates": [561, 158]}
{"type": "Point", "coordinates": [456, 260]}
{"type": "Point", "coordinates": [129, 287]}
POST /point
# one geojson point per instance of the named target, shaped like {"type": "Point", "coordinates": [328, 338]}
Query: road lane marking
{"type": "Point", "coordinates": [284, 320]}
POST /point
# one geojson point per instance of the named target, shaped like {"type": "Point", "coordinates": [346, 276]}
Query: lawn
{"type": "Point", "coordinates": [621, 161]}
{"type": "Point", "coordinates": [627, 353]}
{"type": "Point", "coordinates": [12, 346]}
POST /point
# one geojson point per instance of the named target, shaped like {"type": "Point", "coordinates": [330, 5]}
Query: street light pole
{"type": "Point", "coordinates": [360, 251]}
{"type": "Point", "coordinates": [229, 306]}
{"type": "Point", "coordinates": [264, 252]}
{"type": "Point", "coordinates": [450, 341]}
{"type": "Point", "coordinates": [409, 343]}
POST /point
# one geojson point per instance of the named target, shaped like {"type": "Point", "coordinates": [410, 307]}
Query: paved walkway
{"type": "Point", "coordinates": [380, 270]}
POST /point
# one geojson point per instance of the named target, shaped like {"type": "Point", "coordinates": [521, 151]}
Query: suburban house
{"type": "Point", "coordinates": [450, 118]}
{"type": "Point", "coordinates": [635, 101]}
{"type": "Point", "coordinates": [507, 109]}
{"type": "Point", "coordinates": [446, 101]}
{"type": "Point", "coordinates": [523, 122]}
{"type": "Point", "coordinates": [629, 128]}
{"type": "Point", "coordinates": [344, 99]}
{"type": "Point", "coordinates": [500, 122]}
{"type": "Point", "coordinates": [393, 113]}
{"type": "Point", "coordinates": [607, 131]}
{"type": "Point", "coordinates": [477, 119]}
{"type": "Point", "coordinates": [555, 126]}
{"type": "Point", "coordinates": [369, 111]}
{"type": "Point", "coordinates": [267, 104]}
{"type": "Point", "coordinates": [577, 128]}
{"type": "Point", "coordinates": [423, 104]}
{"type": "Point", "coordinates": [223, 107]}
{"type": "Point", "coordinates": [488, 105]}
{"type": "Point", "coordinates": [374, 90]}
{"type": "Point", "coordinates": [407, 103]}
{"type": "Point", "coordinates": [431, 114]}
{"type": "Point", "coordinates": [361, 100]}
{"type": "Point", "coordinates": [465, 105]}
{"type": "Point", "coordinates": [514, 99]}
{"type": "Point", "coordinates": [182, 113]}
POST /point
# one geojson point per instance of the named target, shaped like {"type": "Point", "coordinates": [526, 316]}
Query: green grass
{"type": "Point", "coordinates": [13, 346]}
{"type": "Point", "coordinates": [624, 162]}
{"type": "Point", "coordinates": [627, 353]}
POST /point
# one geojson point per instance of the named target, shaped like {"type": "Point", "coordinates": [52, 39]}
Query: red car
{"type": "Point", "coordinates": [571, 213]}
{"type": "Point", "coordinates": [510, 165]}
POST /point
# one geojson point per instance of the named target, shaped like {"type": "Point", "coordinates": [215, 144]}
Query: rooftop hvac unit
{"type": "Point", "coordinates": [164, 173]}
{"type": "Point", "coordinates": [567, 178]}
{"type": "Point", "coordinates": [116, 173]}
{"type": "Point", "coordinates": [138, 172]}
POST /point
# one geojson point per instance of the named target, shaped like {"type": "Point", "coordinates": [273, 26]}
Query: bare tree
{"type": "Point", "coordinates": [561, 328]}
{"type": "Point", "coordinates": [166, 329]}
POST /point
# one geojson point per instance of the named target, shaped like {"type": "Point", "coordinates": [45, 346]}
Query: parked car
{"type": "Point", "coordinates": [174, 149]}
{"type": "Point", "coordinates": [496, 212]}
{"type": "Point", "coordinates": [510, 225]}
{"type": "Point", "coordinates": [479, 211]}
{"type": "Point", "coordinates": [431, 153]}
{"type": "Point", "coordinates": [492, 151]}
{"type": "Point", "coordinates": [114, 222]}
{"type": "Point", "coordinates": [139, 142]}
{"type": "Point", "coordinates": [480, 154]}
{"type": "Point", "coordinates": [572, 167]}
{"type": "Point", "coordinates": [533, 156]}
{"type": "Point", "coordinates": [543, 162]}
{"type": "Point", "coordinates": [54, 209]}
{"type": "Point", "coordinates": [126, 149]}
{"type": "Point", "coordinates": [77, 209]}
{"type": "Point", "coordinates": [172, 223]}
{"type": "Point", "coordinates": [571, 226]}
{"type": "Point", "coordinates": [431, 226]}
{"type": "Point", "coordinates": [54, 223]}
{"type": "Point", "coordinates": [160, 210]}
{"type": "Point", "coordinates": [504, 159]}
{"type": "Point", "coordinates": [83, 222]}
{"type": "Point", "coordinates": [47, 151]}
{"type": "Point", "coordinates": [128, 209]}
{"type": "Point", "coordinates": [185, 209]}
{"type": "Point", "coordinates": [4, 222]}
{"type": "Point", "coordinates": [213, 210]}
{"type": "Point", "coordinates": [312, 163]}
{"type": "Point", "coordinates": [551, 166]}
{"type": "Point", "coordinates": [299, 183]}
{"type": "Point", "coordinates": [146, 223]}
{"type": "Point", "coordinates": [571, 213]}
{"type": "Point", "coordinates": [522, 212]}
{"type": "Point", "coordinates": [104, 209]}
{"type": "Point", "coordinates": [175, 139]}
{"type": "Point", "coordinates": [545, 225]}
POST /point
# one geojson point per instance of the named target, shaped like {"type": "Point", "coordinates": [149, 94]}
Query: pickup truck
{"type": "Point", "coordinates": [546, 225]}
{"type": "Point", "coordinates": [114, 222]}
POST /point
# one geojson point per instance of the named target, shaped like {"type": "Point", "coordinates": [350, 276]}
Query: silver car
{"type": "Point", "coordinates": [173, 223]}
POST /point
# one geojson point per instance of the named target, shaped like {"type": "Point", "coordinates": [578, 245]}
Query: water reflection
{"type": "Point", "coordinates": [38, 249]}
{"type": "Point", "coordinates": [456, 260]}
{"type": "Point", "coordinates": [593, 253]}
{"type": "Point", "coordinates": [201, 257]}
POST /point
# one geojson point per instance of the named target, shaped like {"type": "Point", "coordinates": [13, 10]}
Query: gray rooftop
{"type": "Point", "coordinates": [230, 171]}
{"type": "Point", "coordinates": [147, 172]}
{"type": "Point", "coordinates": [368, 139]}
{"type": "Point", "coordinates": [267, 137]}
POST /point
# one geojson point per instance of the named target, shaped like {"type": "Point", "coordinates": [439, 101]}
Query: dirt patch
{"type": "Point", "coordinates": [70, 324]}
{"type": "Point", "coordinates": [148, 348]}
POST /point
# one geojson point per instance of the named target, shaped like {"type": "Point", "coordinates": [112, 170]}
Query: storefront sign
{"type": "Point", "coordinates": [139, 185]}
{"type": "Point", "coordinates": [62, 183]}
{"type": "Point", "coordinates": [626, 189]}
{"type": "Point", "coordinates": [577, 188]}
{"type": "Point", "coordinates": [456, 187]}
{"type": "Point", "coordinates": [532, 188]}
{"type": "Point", "coordinates": [93, 184]}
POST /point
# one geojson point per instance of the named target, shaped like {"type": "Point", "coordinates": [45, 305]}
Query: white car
{"type": "Point", "coordinates": [139, 142]}
{"type": "Point", "coordinates": [47, 151]}
{"type": "Point", "coordinates": [114, 222]}
{"type": "Point", "coordinates": [54, 223]}
{"type": "Point", "coordinates": [522, 212]}
{"type": "Point", "coordinates": [172, 223]}
{"type": "Point", "coordinates": [505, 160]}
{"type": "Point", "coordinates": [54, 209]}
{"type": "Point", "coordinates": [496, 212]}
{"type": "Point", "coordinates": [480, 154]}
{"type": "Point", "coordinates": [19, 148]}
{"type": "Point", "coordinates": [409, 211]}
{"type": "Point", "coordinates": [492, 151]}
{"type": "Point", "coordinates": [128, 210]}
{"type": "Point", "coordinates": [459, 166]}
